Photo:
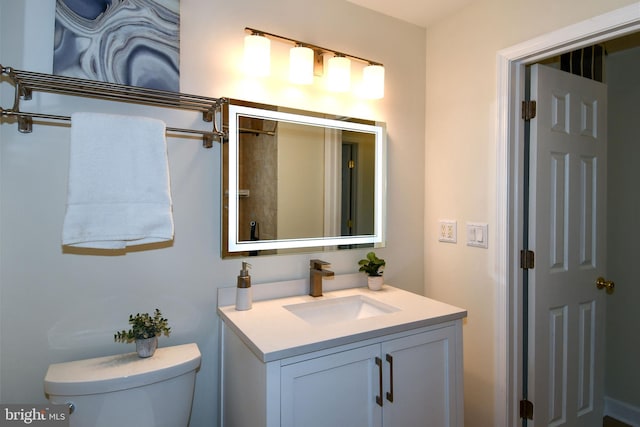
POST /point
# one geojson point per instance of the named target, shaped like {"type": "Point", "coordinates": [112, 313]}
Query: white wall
{"type": "Point", "coordinates": [623, 352]}
{"type": "Point", "coordinates": [57, 306]}
{"type": "Point", "coordinates": [460, 164]}
{"type": "Point", "coordinates": [300, 181]}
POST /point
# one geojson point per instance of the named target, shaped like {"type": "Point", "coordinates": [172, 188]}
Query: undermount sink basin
{"type": "Point", "coordinates": [341, 309]}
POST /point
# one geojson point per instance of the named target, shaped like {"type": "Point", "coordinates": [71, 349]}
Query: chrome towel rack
{"type": "Point", "coordinates": [26, 82]}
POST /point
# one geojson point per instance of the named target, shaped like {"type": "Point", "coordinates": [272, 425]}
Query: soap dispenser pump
{"type": "Point", "coordinates": [244, 294]}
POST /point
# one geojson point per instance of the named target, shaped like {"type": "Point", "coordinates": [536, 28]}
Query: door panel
{"type": "Point", "coordinates": [345, 382]}
{"type": "Point", "coordinates": [568, 209]}
{"type": "Point", "coordinates": [423, 367]}
{"type": "Point", "coordinates": [557, 365]}
{"type": "Point", "coordinates": [586, 353]}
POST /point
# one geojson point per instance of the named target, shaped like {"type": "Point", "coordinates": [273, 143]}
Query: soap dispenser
{"type": "Point", "coordinates": [244, 295]}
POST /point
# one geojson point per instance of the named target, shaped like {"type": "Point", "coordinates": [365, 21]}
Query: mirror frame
{"type": "Point", "coordinates": [378, 130]}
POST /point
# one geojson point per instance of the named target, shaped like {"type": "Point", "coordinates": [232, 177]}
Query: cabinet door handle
{"type": "Point", "coordinates": [390, 392]}
{"type": "Point", "coordinates": [379, 397]}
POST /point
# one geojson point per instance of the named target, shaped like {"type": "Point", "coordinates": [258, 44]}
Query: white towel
{"type": "Point", "coordinates": [118, 193]}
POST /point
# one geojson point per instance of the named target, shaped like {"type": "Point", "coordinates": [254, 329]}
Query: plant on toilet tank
{"type": "Point", "coordinates": [145, 331]}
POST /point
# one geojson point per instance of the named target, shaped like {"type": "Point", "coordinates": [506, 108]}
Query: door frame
{"type": "Point", "coordinates": [511, 63]}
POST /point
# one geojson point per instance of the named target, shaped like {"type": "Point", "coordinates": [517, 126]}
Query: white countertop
{"type": "Point", "coordinates": [272, 332]}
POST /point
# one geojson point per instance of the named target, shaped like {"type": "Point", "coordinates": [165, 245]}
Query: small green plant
{"type": "Point", "coordinates": [371, 265]}
{"type": "Point", "coordinates": [144, 326]}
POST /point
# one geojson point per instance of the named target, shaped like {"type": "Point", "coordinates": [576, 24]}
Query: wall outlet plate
{"type": "Point", "coordinates": [447, 231]}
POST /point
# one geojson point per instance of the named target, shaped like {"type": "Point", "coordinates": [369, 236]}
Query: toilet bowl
{"type": "Point", "coordinates": [126, 390]}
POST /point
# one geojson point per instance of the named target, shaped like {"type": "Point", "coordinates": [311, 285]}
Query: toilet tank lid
{"type": "Point", "coordinates": [119, 372]}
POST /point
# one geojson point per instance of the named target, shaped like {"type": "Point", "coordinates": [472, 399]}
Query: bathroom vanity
{"type": "Point", "coordinates": [352, 357]}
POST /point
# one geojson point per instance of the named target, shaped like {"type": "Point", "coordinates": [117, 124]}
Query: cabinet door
{"type": "Point", "coordinates": [338, 390]}
{"type": "Point", "coordinates": [420, 380]}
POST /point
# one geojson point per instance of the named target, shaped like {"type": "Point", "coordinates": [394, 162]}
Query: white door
{"type": "Point", "coordinates": [567, 229]}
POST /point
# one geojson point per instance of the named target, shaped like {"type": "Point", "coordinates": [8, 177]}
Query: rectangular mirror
{"type": "Point", "coordinates": [297, 180]}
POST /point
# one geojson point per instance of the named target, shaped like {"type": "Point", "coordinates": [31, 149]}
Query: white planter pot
{"type": "Point", "coordinates": [375, 282]}
{"type": "Point", "coordinates": [146, 347]}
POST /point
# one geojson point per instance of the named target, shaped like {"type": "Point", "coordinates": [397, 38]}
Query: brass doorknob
{"type": "Point", "coordinates": [607, 284]}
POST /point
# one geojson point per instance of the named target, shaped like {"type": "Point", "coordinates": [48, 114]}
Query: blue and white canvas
{"type": "Point", "coordinates": [131, 42]}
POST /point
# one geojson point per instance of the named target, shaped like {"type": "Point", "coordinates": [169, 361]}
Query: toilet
{"type": "Point", "coordinates": [126, 390]}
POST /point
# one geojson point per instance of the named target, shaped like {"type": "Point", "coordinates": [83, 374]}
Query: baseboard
{"type": "Point", "coordinates": [622, 411]}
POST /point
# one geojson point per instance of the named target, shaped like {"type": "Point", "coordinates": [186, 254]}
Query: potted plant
{"type": "Point", "coordinates": [372, 265]}
{"type": "Point", "coordinates": [145, 332]}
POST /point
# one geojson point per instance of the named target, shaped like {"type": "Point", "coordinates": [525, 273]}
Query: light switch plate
{"type": "Point", "coordinates": [477, 235]}
{"type": "Point", "coordinates": [447, 231]}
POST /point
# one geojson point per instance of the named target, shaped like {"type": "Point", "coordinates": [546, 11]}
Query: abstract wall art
{"type": "Point", "coordinates": [131, 42]}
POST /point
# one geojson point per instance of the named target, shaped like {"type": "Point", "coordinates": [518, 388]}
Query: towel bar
{"type": "Point", "coordinates": [25, 125]}
{"type": "Point", "coordinates": [25, 82]}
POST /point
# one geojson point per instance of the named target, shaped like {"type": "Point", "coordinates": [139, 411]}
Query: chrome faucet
{"type": "Point", "coordinates": [316, 273]}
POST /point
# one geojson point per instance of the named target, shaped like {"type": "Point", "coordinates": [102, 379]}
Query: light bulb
{"type": "Point", "coordinates": [301, 65]}
{"type": "Point", "coordinates": [339, 74]}
{"type": "Point", "coordinates": [257, 55]}
{"type": "Point", "coordinates": [373, 81]}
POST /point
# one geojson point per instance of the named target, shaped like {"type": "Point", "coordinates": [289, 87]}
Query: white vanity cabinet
{"type": "Point", "coordinates": [412, 378]}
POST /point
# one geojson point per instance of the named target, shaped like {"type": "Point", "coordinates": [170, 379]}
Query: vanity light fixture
{"type": "Point", "coordinates": [306, 61]}
{"type": "Point", "coordinates": [257, 55]}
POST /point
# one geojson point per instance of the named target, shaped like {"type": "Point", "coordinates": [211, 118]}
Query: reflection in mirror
{"type": "Point", "coordinates": [294, 181]}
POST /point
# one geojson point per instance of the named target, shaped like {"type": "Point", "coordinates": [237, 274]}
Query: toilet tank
{"type": "Point", "coordinates": [126, 390]}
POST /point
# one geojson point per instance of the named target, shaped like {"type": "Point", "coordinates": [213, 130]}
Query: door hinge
{"type": "Point", "coordinates": [526, 409]}
{"type": "Point", "coordinates": [527, 259]}
{"type": "Point", "coordinates": [528, 110]}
